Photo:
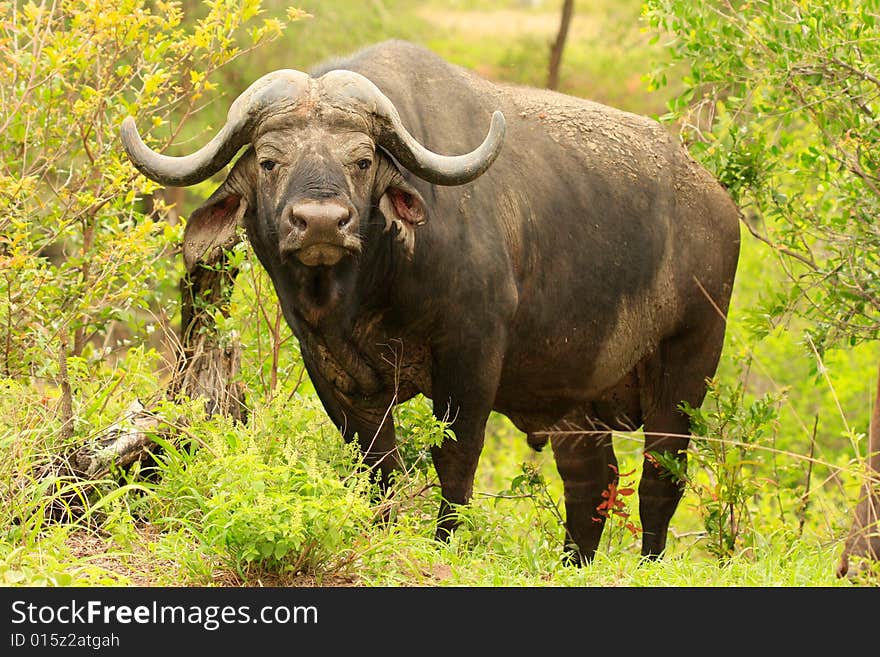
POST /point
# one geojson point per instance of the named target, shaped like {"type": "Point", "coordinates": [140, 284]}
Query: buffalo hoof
{"type": "Point", "coordinates": [648, 558]}
{"type": "Point", "coordinates": [573, 557]}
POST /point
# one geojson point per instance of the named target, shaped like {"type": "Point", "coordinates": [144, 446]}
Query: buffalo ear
{"type": "Point", "coordinates": [404, 209]}
{"type": "Point", "coordinates": [213, 227]}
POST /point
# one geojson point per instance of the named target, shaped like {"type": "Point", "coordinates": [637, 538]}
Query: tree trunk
{"type": "Point", "coordinates": [559, 45]}
{"type": "Point", "coordinates": [864, 536]}
{"type": "Point", "coordinates": [207, 363]}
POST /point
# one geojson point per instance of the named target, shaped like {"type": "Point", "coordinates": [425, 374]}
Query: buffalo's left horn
{"type": "Point", "coordinates": [283, 86]}
{"type": "Point", "coordinates": [427, 165]}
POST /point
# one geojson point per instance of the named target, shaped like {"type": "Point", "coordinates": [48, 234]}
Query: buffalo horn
{"type": "Point", "coordinates": [429, 166]}
{"type": "Point", "coordinates": [286, 86]}
{"type": "Point", "coordinates": [279, 86]}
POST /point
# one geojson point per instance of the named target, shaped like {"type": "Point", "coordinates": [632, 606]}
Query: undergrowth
{"type": "Point", "coordinates": [773, 468]}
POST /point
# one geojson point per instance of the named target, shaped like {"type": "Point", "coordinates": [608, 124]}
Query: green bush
{"type": "Point", "coordinates": [89, 268]}
{"type": "Point", "coordinates": [283, 495]}
{"type": "Point", "coordinates": [730, 432]}
{"type": "Point", "coordinates": [780, 101]}
{"type": "Point", "coordinates": [88, 273]}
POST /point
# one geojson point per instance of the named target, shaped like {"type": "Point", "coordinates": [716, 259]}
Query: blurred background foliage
{"type": "Point", "coordinates": [90, 308]}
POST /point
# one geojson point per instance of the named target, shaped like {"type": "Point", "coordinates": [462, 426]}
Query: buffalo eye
{"type": "Point", "coordinates": [363, 164]}
{"type": "Point", "coordinates": [267, 165]}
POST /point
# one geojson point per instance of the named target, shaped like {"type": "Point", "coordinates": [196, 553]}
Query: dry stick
{"type": "Point", "coordinates": [66, 393]}
{"type": "Point", "coordinates": [110, 392]}
{"type": "Point", "coordinates": [302, 371]}
{"type": "Point", "coordinates": [8, 346]}
{"type": "Point", "coordinates": [258, 298]}
{"type": "Point", "coordinates": [781, 249]}
{"type": "Point", "coordinates": [824, 371]}
{"type": "Point", "coordinates": [805, 500]}
{"type": "Point", "coordinates": [776, 477]}
{"type": "Point", "coordinates": [276, 349]}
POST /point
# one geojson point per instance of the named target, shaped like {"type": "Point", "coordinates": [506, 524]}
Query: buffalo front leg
{"type": "Point", "coordinates": [375, 436]}
{"type": "Point", "coordinates": [588, 467]}
{"type": "Point", "coordinates": [372, 428]}
{"type": "Point", "coordinates": [456, 464]}
{"type": "Point", "coordinates": [464, 383]}
{"type": "Point", "coordinates": [378, 445]}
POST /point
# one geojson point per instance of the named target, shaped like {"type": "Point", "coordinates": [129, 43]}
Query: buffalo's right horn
{"type": "Point", "coordinates": [279, 86]}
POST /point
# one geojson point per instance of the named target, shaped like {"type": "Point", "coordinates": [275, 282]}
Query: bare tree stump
{"type": "Point", "coordinates": [209, 362]}
{"type": "Point", "coordinates": [864, 536]}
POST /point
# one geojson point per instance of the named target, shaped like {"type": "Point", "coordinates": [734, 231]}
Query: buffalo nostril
{"type": "Point", "coordinates": [318, 219]}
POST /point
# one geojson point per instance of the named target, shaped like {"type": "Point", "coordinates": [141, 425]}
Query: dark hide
{"type": "Point", "coordinates": [579, 286]}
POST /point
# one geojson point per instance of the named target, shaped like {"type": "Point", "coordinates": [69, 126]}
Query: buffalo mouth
{"type": "Point", "coordinates": [319, 254]}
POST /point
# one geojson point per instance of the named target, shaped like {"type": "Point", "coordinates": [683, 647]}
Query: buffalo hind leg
{"type": "Point", "coordinates": [675, 373]}
{"type": "Point", "coordinates": [587, 465]}
{"type": "Point", "coordinates": [660, 490]}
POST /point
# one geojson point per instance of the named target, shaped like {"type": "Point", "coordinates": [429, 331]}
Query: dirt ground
{"type": "Point", "coordinates": [139, 566]}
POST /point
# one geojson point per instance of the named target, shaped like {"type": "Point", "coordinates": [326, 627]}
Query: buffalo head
{"type": "Point", "coordinates": [318, 164]}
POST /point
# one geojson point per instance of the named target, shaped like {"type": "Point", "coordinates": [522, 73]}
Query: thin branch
{"type": "Point", "coordinates": [793, 254]}
{"type": "Point", "coordinates": [861, 73]}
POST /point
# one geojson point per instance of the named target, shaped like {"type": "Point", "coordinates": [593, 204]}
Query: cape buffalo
{"type": "Point", "coordinates": [572, 272]}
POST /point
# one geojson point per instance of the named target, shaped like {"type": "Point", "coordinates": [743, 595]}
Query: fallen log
{"type": "Point", "coordinates": [126, 441]}
{"type": "Point", "coordinates": [67, 480]}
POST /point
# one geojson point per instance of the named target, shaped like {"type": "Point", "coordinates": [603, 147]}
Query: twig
{"type": "Point", "coordinates": [781, 249]}
{"type": "Point", "coordinates": [66, 393]}
{"type": "Point", "coordinates": [805, 500]}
